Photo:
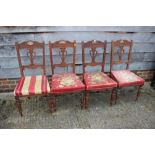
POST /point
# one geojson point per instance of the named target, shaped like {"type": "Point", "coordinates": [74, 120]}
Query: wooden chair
{"type": "Point", "coordinates": [124, 78]}
{"type": "Point", "coordinates": [96, 81]}
{"type": "Point", "coordinates": [30, 85]}
{"type": "Point", "coordinates": [64, 82]}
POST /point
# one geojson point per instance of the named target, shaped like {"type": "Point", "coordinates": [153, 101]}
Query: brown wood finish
{"type": "Point", "coordinates": [30, 46]}
{"type": "Point", "coordinates": [121, 44]}
{"type": "Point", "coordinates": [62, 45]}
{"type": "Point", "coordinates": [93, 45]}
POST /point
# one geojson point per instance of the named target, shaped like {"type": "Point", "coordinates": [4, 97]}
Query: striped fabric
{"type": "Point", "coordinates": [32, 85]}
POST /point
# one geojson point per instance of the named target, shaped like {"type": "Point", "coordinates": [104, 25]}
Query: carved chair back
{"type": "Point", "coordinates": [62, 47]}
{"type": "Point", "coordinates": [30, 47]}
{"type": "Point", "coordinates": [93, 46]}
{"type": "Point", "coordinates": [121, 45]}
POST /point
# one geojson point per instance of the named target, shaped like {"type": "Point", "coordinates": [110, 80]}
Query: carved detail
{"type": "Point", "coordinates": [30, 43]}
{"type": "Point", "coordinates": [30, 46]}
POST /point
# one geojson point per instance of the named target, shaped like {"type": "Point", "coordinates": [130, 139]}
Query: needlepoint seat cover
{"type": "Point", "coordinates": [98, 80]}
{"type": "Point", "coordinates": [67, 82]}
{"type": "Point", "coordinates": [126, 78]}
{"type": "Point", "coordinates": [32, 85]}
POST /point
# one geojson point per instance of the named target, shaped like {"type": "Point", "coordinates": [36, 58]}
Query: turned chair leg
{"type": "Point", "coordinates": [82, 98]}
{"type": "Point", "coordinates": [18, 105]}
{"type": "Point", "coordinates": [52, 103]}
{"type": "Point", "coordinates": [138, 92]}
{"type": "Point", "coordinates": [113, 96]}
{"type": "Point", "coordinates": [86, 99]}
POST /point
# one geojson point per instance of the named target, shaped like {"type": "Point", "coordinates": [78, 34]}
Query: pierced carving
{"type": "Point", "coordinates": [93, 55]}
{"type": "Point", "coordinates": [63, 54]}
{"type": "Point", "coordinates": [120, 53]}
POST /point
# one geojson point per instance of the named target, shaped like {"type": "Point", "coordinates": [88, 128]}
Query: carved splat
{"type": "Point", "coordinates": [63, 54]}
{"type": "Point", "coordinates": [121, 44]}
{"type": "Point", "coordinates": [62, 45]}
{"type": "Point", "coordinates": [29, 46]}
{"type": "Point", "coordinates": [93, 54]}
{"type": "Point", "coordinates": [93, 45]}
{"type": "Point", "coordinates": [121, 52]}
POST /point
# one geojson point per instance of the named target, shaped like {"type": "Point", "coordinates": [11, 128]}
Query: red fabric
{"type": "Point", "coordinates": [68, 82]}
{"type": "Point", "coordinates": [126, 78]}
{"type": "Point", "coordinates": [32, 85]}
{"type": "Point", "coordinates": [98, 80]}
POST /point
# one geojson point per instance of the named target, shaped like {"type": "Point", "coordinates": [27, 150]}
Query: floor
{"type": "Point", "coordinates": [126, 114]}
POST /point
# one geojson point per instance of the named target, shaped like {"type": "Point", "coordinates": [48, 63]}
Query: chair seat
{"type": "Point", "coordinates": [68, 82]}
{"type": "Point", "coordinates": [98, 80]}
{"type": "Point", "coordinates": [126, 78]}
{"type": "Point", "coordinates": [32, 85]}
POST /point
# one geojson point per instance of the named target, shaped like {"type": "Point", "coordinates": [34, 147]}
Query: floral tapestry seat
{"type": "Point", "coordinates": [126, 78]}
{"type": "Point", "coordinates": [98, 80]}
{"type": "Point", "coordinates": [68, 82]}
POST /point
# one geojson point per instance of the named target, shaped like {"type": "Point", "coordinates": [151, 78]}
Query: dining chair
{"type": "Point", "coordinates": [121, 54]}
{"type": "Point", "coordinates": [35, 85]}
{"type": "Point", "coordinates": [64, 82]}
{"type": "Point", "coordinates": [96, 81]}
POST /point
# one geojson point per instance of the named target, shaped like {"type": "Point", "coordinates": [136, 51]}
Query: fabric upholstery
{"type": "Point", "coordinates": [126, 78]}
{"type": "Point", "coordinates": [32, 85]}
{"type": "Point", "coordinates": [68, 82]}
{"type": "Point", "coordinates": [98, 80]}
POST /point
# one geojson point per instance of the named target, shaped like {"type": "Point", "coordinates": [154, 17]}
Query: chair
{"type": "Point", "coordinates": [30, 85]}
{"type": "Point", "coordinates": [125, 78]}
{"type": "Point", "coordinates": [64, 82]}
{"type": "Point", "coordinates": [96, 81]}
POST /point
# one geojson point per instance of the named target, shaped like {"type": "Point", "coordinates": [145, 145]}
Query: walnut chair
{"type": "Point", "coordinates": [96, 81]}
{"type": "Point", "coordinates": [29, 86]}
{"type": "Point", "coordinates": [64, 82]}
{"type": "Point", "coordinates": [124, 78]}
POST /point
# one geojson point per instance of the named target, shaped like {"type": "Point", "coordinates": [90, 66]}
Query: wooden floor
{"type": "Point", "coordinates": [125, 114]}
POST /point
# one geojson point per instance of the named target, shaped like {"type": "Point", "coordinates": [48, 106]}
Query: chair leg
{"type": "Point", "coordinates": [86, 99]}
{"type": "Point", "coordinates": [113, 96]}
{"type": "Point", "coordinates": [18, 105]}
{"type": "Point", "coordinates": [52, 103]}
{"type": "Point", "coordinates": [82, 98]}
{"type": "Point", "coordinates": [138, 92]}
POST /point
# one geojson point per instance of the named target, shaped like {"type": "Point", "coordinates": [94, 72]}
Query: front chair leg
{"type": "Point", "coordinates": [113, 96]}
{"type": "Point", "coordinates": [18, 105]}
{"type": "Point", "coordinates": [86, 99]}
{"type": "Point", "coordinates": [52, 103]}
{"type": "Point", "coordinates": [138, 92]}
{"type": "Point", "coordinates": [82, 98]}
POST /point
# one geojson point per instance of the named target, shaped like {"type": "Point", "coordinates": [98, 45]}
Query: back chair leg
{"type": "Point", "coordinates": [113, 96]}
{"type": "Point", "coordinates": [18, 105]}
{"type": "Point", "coordinates": [138, 92]}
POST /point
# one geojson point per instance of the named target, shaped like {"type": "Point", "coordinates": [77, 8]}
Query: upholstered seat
{"type": "Point", "coordinates": [126, 78]}
{"type": "Point", "coordinates": [68, 82]}
{"type": "Point", "coordinates": [98, 80]}
{"type": "Point", "coordinates": [32, 85]}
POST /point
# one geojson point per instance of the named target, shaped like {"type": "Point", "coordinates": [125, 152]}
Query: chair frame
{"type": "Point", "coordinates": [62, 45]}
{"type": "Point", "coordinates": [93, 45]}
{"type": "Point", "coordinates": [121, 44]}
{"type": "Point", "coordinates": [30, 46]}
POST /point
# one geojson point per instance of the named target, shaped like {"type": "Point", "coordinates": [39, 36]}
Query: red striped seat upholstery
{"type": "Point", "coordinates": [32, 85]}
{"type": "Point", "coordinates": [98, 80]}
{"type": "Point", "coordinates": [126, 78]}
{"type": "Point", "coordinates": [68, 82]}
